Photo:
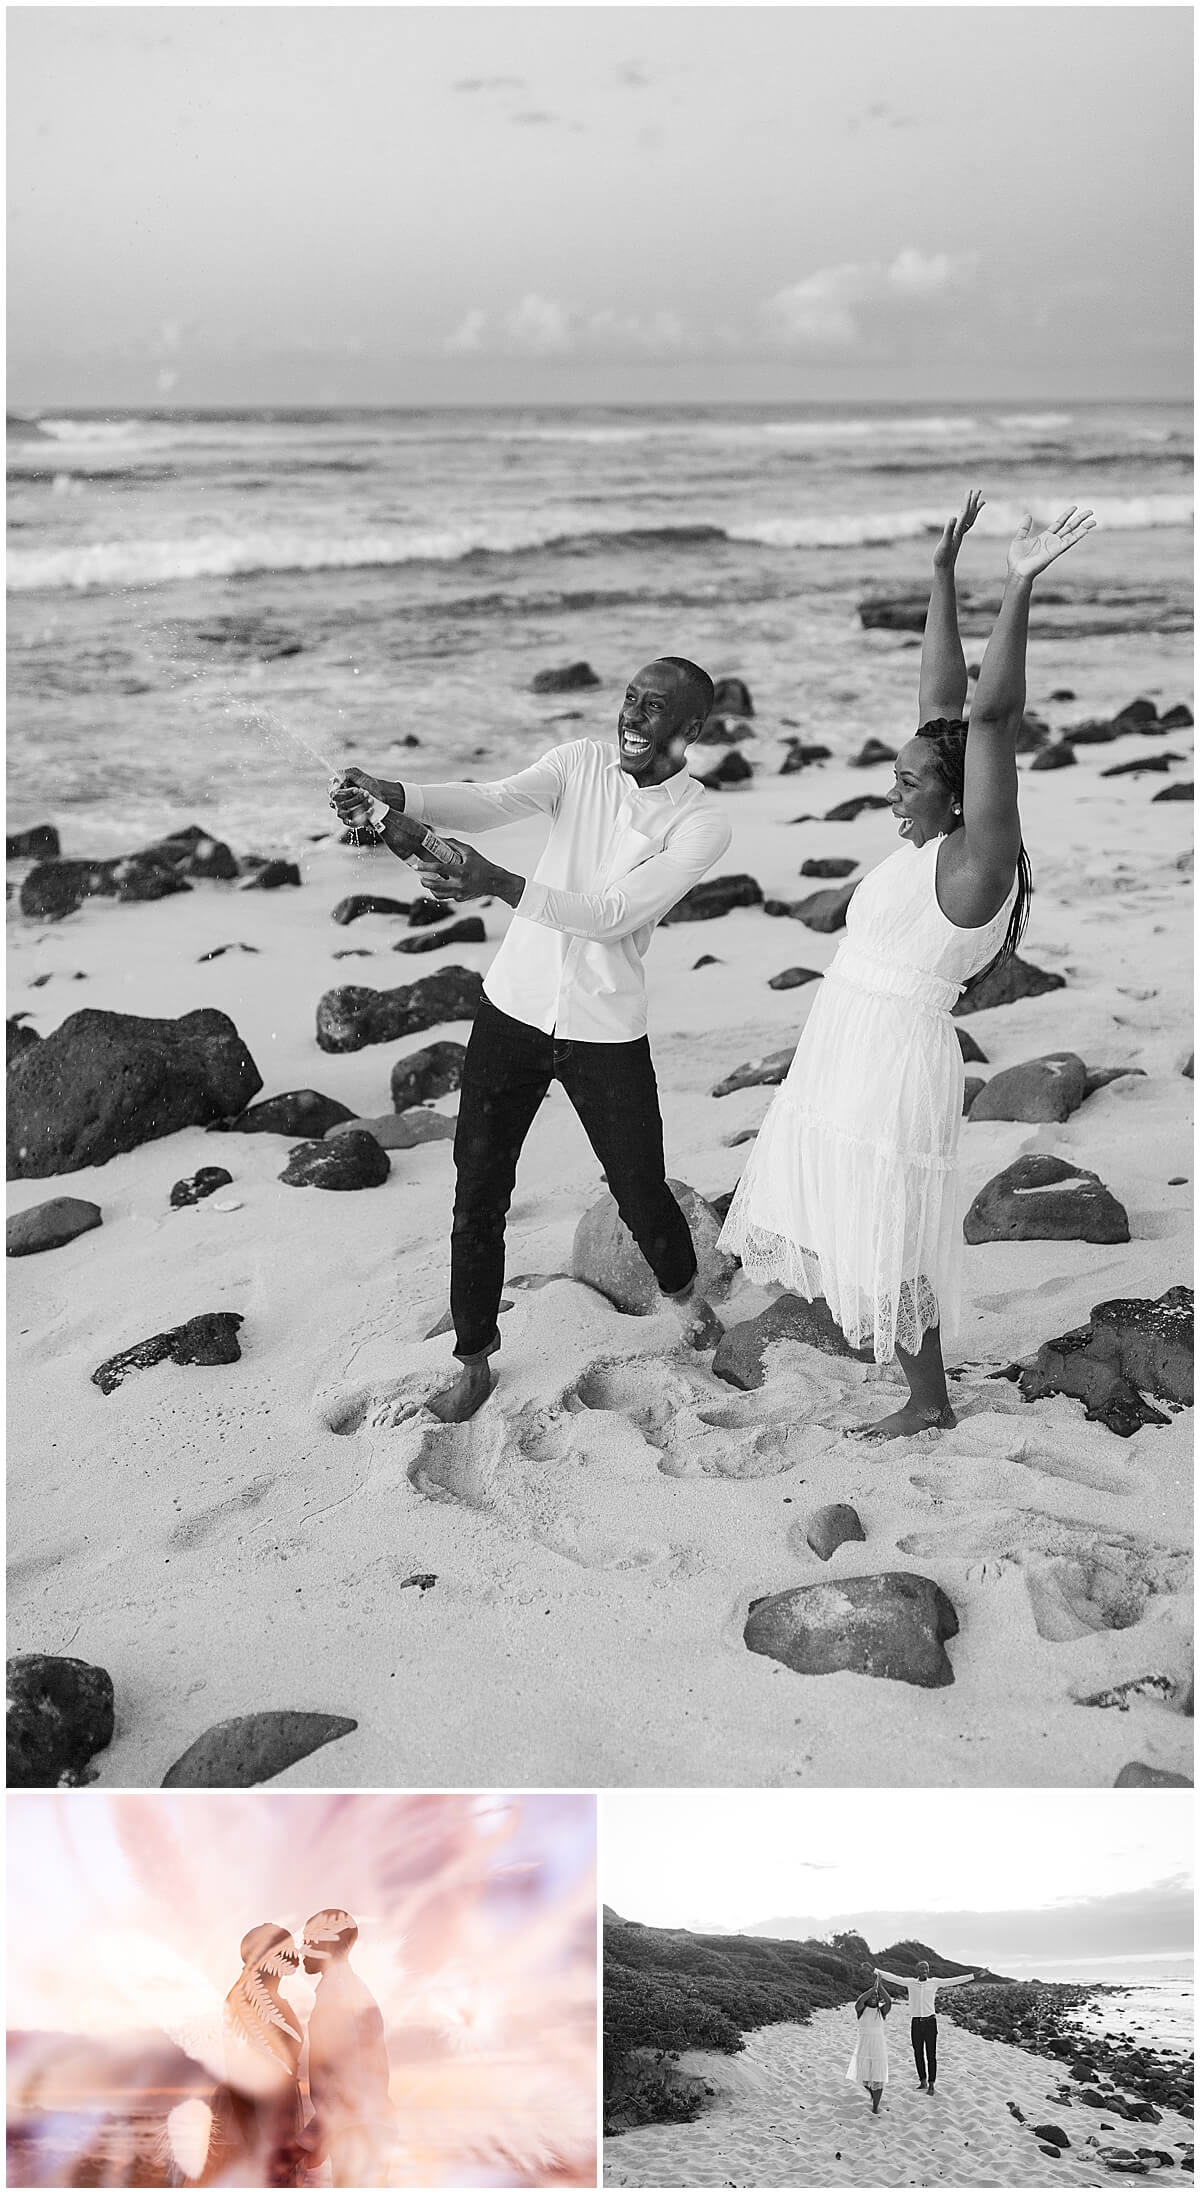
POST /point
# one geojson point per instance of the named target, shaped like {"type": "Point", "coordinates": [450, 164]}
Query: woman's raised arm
{"type": "Point", "coordinates": [943, 690]}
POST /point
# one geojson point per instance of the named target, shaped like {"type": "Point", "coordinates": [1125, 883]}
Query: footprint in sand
{"type": "Point", "coordinates": [696, 1430]}
{"type": "Point", "coordinates": [1078, 1579]}
{"type": "Point", "coordinates": [194, 1530]}
{"type": "Point", "coordinates": [376, 1408]}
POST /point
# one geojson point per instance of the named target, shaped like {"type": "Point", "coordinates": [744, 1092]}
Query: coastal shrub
{"type": "Point", "coordinates": [650, 2089]}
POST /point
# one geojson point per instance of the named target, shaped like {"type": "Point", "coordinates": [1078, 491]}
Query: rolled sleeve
{"type": "Point", "coordinates": [639, 899]}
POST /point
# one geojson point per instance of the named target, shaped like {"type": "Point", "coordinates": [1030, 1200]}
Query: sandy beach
{"type": "Point", "coordinates": [250, 1535]}
{"type": "Point", "coordinates": [785, 2115]}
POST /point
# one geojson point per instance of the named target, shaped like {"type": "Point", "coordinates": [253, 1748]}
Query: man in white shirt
{"type": "Point", "coordinates": [565, 996]}
{"type": "Point", "coordinates": [922, 1996]}
{"type": "Point", "coordinates": [354, 2120]}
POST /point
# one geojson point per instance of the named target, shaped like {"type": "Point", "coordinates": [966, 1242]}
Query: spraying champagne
{"type": "Point", "coordinates": [403, 833]}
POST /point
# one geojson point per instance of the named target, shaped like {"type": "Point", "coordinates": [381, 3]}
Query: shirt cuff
{"type": "Point", "coordinates": [414, 802]}
{"type": "Point", "coordinates": [532, 902]}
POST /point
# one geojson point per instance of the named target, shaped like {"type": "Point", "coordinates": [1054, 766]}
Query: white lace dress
{"type": "Point", "coordinates": [869, 2062]}
{"type": "Point", "coordinates": [851, 1191]}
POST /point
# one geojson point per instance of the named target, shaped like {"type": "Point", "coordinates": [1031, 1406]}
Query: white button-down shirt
{"type": "Point", "coordinates": [922, 1995]}
{"type": "Point", "coordinates": [619, 857]}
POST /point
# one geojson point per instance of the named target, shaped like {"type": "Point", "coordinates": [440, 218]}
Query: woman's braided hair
{"type": "Point", "coordinates": [947, 736]}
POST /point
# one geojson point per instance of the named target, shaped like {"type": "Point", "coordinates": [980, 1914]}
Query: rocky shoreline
{"type": "Point", "coordinates": [1129, 2080]}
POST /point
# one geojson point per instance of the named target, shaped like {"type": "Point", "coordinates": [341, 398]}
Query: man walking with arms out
{"type": "Point", "coordinates": [565, 996]}
{"type": "Point", "coordinates": [922, 1996]}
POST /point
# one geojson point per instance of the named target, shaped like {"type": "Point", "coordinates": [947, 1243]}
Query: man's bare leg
{"type": "Point", "coordinates": [702, 1328]}
{"type": "Point", "coordinates": [460, 1400]}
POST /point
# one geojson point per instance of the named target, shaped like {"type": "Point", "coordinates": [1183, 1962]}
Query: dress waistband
{"type": "Point", "coordinates": [932, 993]}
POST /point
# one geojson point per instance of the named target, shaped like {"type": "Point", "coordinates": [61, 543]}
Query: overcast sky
{"type": "Point", "coordinates": [412, 204]}
{"type": "Point", "coordinates": [1061, 1884]}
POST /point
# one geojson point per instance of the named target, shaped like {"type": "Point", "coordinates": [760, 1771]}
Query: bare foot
{"type": "Point", "coordinates": [702, 1328]}
{"type": "Point", "coordinates": [902, 1423]}
{"type": "Point", "coordinates": [455, 1403]}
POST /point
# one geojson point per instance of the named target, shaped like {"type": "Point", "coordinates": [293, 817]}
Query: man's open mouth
{"type": "Point", "coordinates": [633, 743]}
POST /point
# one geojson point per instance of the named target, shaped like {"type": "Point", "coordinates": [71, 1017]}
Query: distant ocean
{"type": "Point", "coordinates": [204, 609]}
{"type": "Point", "coordinates": [1158, 2016]}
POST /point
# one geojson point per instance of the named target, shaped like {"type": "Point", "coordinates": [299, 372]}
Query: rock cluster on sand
{"type": "Point", "coordinates": [351, 1160]}
{"type": "Point", "coordinates": [1129, 1348]}
{"type": "Point", "coordinates": [293, 1112]}
{"type": "Point", "coordinates": [1002, 986]}
{"type": "Point", "coordinates": [893, 1624]}
{"type": "Point", "coordinates": [1039, 1198]}
{"type": "Point", "coordinates": [60, 1712]}
{"type": "Point", "coordinates": [605, 1256]}
{"type": "Point", "coordinates": [209, 1338]}
{"type": "Point", "coordinates": [50, 1225]}
{"type": "Point", "coordinates": [103, 1083]}
{"type": "Point", "coordinates": [1050, 1088]}
{"type": "Point", "coordinates": [431, 1072]}
{"type": "Point", "coordinates": [57, 888]}
{"type": "Point", "coordinates": [352, 1016]}
{"type": "Point", "coordinates": [570, 678]}
{"type": "Point", "coordinates": [41, 843]}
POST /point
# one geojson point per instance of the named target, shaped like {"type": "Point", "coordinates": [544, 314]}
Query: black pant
{"type": "Point", "coordinates": [507, 1071]}
{"type": "Point", "coordinates": [924, 2041]}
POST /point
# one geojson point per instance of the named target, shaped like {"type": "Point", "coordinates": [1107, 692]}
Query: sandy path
{"type": "Point", "coordinates": [788, 2117]}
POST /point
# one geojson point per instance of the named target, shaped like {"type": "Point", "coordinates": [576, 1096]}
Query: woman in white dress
{"type": "Point", "coordinates": [851, 1191]}
{"type": "Point", "coordinates": [869, 2061]}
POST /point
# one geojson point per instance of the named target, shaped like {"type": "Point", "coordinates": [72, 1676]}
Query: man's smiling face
{"type": "Point", "coordinates": [659, 718]}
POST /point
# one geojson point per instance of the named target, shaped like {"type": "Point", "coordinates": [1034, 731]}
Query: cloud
{"type": "Point", "coordinates": [832, 309]}
{"type": "Point", "coordinates": [468, 335]}
{"type": "Point", "coordinates": [543, 327]}
{"type": "Point", "coordinates": [539, 326]}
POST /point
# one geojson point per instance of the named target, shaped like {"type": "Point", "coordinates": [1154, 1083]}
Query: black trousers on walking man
{"type": "Point", "coordinates": [924, 2042]}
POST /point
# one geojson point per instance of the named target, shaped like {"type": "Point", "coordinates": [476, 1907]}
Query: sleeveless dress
{"type": "Point", "coordinates": [851, 1190]}
{"type": "Point", "coordinates": [869, 2062]}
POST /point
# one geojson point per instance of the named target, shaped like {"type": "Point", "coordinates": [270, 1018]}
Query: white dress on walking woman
{"type": "Point", "coordinates": [869, 2062]}
{"type": "Point", "coordinates": [851, 1191]}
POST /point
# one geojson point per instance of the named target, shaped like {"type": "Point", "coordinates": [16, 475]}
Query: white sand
{"type": "Point", "coordinates": [236, 1538]}
{"type": "Point", "coordinates": [785, 2115]}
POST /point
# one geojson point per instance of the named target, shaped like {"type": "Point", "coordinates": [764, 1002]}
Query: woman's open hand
{"type": "Point", "coordinates": [955, 531]}
{"type": "Point", "coordinates": [1030, 552]}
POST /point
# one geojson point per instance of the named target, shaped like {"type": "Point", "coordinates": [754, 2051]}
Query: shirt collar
{"type": "Point", "coordinates": [676, 788]}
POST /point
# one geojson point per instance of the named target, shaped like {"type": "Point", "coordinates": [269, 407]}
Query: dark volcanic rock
{"type": "Point", "coordinates": [893, 1625]}
{"type": "Point", "coordinates": [972, 1084]}
{"type": "Point", "coordinates": [210, 1338]}
{"type": "Point", "coordinates": [1050, 1088]}
{"type": "Point", "coordinates": [467, 931]}
{"type": "Point", "coordinates": [197, 1186]}
{"type": "Point", "coordinates": [272, 875]}
{"type": "Point", "coordinates": [18, 1038]}
{"type": "Point", "coordinates": [790, 978]}
{"type": "Point", "coordinates": [1050, 2133]}
{"type": "Point", "coordinates": [767, 1070]}
{"type": "Point", "coordinates": [829, 1528]}
{"type": "Point", "coordinates": [717, 732]}
{"type": "Point", "coordinates": [295, 1112]}
{"type": "Point", "coordinates": [732, 698]}
{"type": "Point", "coordinates": [825, 911]}
{"type": "Point", "coordinates": [1098, 731]}
{"type": "Point", "coordinates": [194, 852]}
{"type": "Point", "coordinates": [50, 1225]}
{"type": "Point", "coordinates": [1033, 735]}
{"type": "Point", "coordinates": [1043, 1199]}
{"type": "Point", "coordinates": [1177, 718]}
{"type": "Point", "coordinates": [732, 769]}
{"type": "Point", "coordinates": [1100, 1077]}
{"type": "Point", "coordinates": [1014, 978]}
{"type": "Point", "coordinates": [367, 902]}
{"type": "Point", "coordinates": [1135, 1775]}
{"type": "Point", "coordinates": [41, 843]}
{"type": "Point", "coordinates": [972, 1054]}
{"type": "Point", "coordinates": [1137, 713]}
{"type": "Point", "coordinates": [106, 1082]}
{"type": "Point", "coordinates": [352, 1159]}
{"type": "Point", "coordinates": [1150, 765]}
{"type": "Point", "coordinates": [800, 756]}
{"type": "Point", "coordinates": [570, 679]}
{"type": "Point", "coordinates": [605, 1256]}
{"type": "Point", "coordinates": [58, 888]}
{"type": "Point", "coordinates": [714, 896]}
{"type": "Point", "coordinates": [832, 866]}
{"type": "Point", "coordinates": [60, 1712]}
{"type": "Point", "coordinates": [871, 752]}
{"type": "Point", "coordinates": [1057, 756]}
{"type": "Point", "coordinates": [350, 1017]}
{"type": "Point", "coordinates": [894, 613]}
{"type": "Point", "coordinates": [847, 810]}
{"type": "Point", "coordinates": [1174, 792]}
{"type": "Point", "coordinates": [422, 1075]}
{"type": "Point", "coordinates": [252, 1748]}
{"type": "Point", "coordinates": [1129, 1347]}
{"type": "Point", "coordinates": [740, 1357]}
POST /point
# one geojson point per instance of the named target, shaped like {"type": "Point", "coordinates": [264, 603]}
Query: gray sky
{"type": "Point", "coordinates": [563, 204]}
{"type": "Point", "coordinates": [1061, 1884]}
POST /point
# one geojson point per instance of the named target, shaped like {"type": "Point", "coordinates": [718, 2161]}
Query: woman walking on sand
{"type": "Point", "coordinates": [869, 2061]}
{"type": "Point", "coordinates": [851, 1191]}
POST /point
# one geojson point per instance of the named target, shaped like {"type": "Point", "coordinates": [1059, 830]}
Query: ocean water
{"type": "Point", "coordinates": [1158, 2016]}
{"type": "Point", "coordinates": [209, 611]}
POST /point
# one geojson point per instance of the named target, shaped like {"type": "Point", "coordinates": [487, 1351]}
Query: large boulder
{"type": "Point", "coordinates": [49, 1225]}
{"type": "Point", "coordinates": [733, 769]}
{"type": "Point", "coordinates": [772, 1068]}
{"type": "Point", "coordinates": [714, 896]}
{"type": "Point", "coordinates": [1174, 792]}
{"type": "Point", "coordinates": [833, 866]}
{"type": "Point", "coordinates": [1050, 1088]}
{"type": "Point", "coordinates": [1057, 755]}
{"type": "Point", "coordinates": [104, 1083]}
{"type": "Point", "coordinates": [1039, 1198]}
{"type": "Point", "coordinates": [350, 1160]}
{"type": "Point", "coordinates": [825, 911]}
{"type": "Point", "coordinates": [57, 888]}
{"type": "Point", "coordinates": [252, 1748]}
{"type": "Point", "coordinates": [894, 1625]}
{"type": "Point", "coordinates": [1129, 1348]}
{"type": "Point", "coordinates": [41, 843]}
{"type": "Point", "coordinates": [972, 1053]}
{"type": "Point", "coordinates": [740, 1357]}
{"type": "Point", "coordinates": [469, 930]}
{"type": "Point", "coordinates": [1177, 718]}
{"type": "Point", "coordinates": [295, 1112]}
{"type": "Point", "coordinates": [18, 1038]}
{"type": "Point", "coordinates": [1135, 1775]}
{"type": "Point", "coordinates": [209, 1338]}
{"type": "Point", "coordinates": [270, 875]}
{"type": "Point", "coordinates": [1012, 979]}
{"type": "Point", "coordinates": [352, 1016]}
{"type": "Point", "coordinates": [420, 1076]}
{"type": "Point", "coordinates": [847, 810]}
{"type": "Point", "coordinates": [195, 852]}
{"type": "Point", "coordinates": [800, 755]}
{"type": "Point", "coordinates": [871, 752]}
{"type": "Point", "coordinates": [571, 678]}
{"type": "Point", "coordinates": [605, 1256]}
{"type": "Point", "coordinates": [60, 1712]}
